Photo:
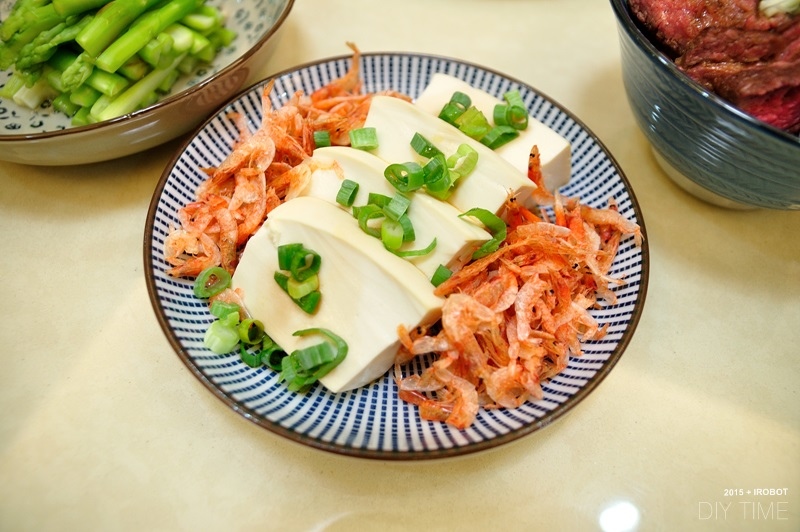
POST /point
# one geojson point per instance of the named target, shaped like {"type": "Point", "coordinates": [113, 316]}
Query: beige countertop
{"type": "Point", "coordinates": [103, 427]}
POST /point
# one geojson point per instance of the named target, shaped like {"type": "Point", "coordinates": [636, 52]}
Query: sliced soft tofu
{"type": "Point", "coordinates": [456, 238]}
{"type": "Point", "coordinates": [554, 150]}
{"type": "Point", "coordinates": [367, 292]}
{"type": "Point", "coordinates": [492, 182]}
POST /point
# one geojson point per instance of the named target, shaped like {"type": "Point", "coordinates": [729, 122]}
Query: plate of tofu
{"type": "Point", "coordinates": [371, 295]}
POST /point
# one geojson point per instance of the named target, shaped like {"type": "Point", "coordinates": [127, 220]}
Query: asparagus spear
{"type": "Point", "coordinates": [110, 22]}
{"type": "Point", "coordinates": [45, 44]}
{"type": "Point", "coordinates": [130, 100]}
{"type": "Point", "coordinates": [142, 31]}
{"type": "Point", "coordinates": [22, 27]}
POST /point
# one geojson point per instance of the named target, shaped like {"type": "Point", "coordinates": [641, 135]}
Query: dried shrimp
{"type": "Point", "coordinates": [264, 169]}
{"type": "Point", "coordinates": [511, 319]}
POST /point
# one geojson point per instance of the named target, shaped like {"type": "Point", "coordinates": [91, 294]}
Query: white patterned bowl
{"type": "Point", "coordinates": [372, 422]}
{"type": "Point", "coordinates": [46, 137]}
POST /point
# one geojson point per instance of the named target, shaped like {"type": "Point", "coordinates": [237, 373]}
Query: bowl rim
{"type": "Point", "coordinates": [170, 100]}
{"type": "Point", "coordinates": [372, 454]}
{"type": "Point", "coordinates": [631, 26]}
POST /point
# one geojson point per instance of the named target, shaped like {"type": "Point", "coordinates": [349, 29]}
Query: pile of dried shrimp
{"type": "Point", "coordinates": [262, 171]}
{"type": "Point", "coordinates": [511, 319]}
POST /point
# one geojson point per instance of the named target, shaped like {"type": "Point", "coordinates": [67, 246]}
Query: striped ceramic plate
{"type": "Point", "coordinates": [371, 422]}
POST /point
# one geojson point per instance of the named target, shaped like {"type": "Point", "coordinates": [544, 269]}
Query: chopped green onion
{"type": "Point", "coordinates": [423, 146]}
{"type": "Point", "coordinates": [339, 345]}
{"type": "Point", "coordinates": [514, 98]}
{"type": "Point", "coordinates": [408, 228]}
{"type": "Point", "coordinates": [391, 234]}
{"type": "Point", "coordinates": [441, 274]}
{"type": "Point", "coordinates": [211, 282]}
{"type": "Point", "coordinates": [303, 367]}
{"type": "Point", "coordinates": [322, 138]}
{"type": "Point", "coordinates": [251, 359]}
{"type": "Point", "coordinates": [498, 136]}
{"type": "Point", "coordinates": [473, 123]}
{"type": "Point", "coordinates": [435, 168]}
{"type": "Point", "coordinates": [437, 178]}
{"type": "Point", "coordinates": [450, 112]}
{"type": "Point", "coordinates": [459, 102]}
{"type": "Point", "coordinates": [381, 200]}
{"type": "Point", "coordinates": [347, 193]}
{"type": "Point", "coordinates": [312, 357]}
{"type": "Point", "coordinates": [365, 138]}
{"type": "Point", "coordinates": [462, 99]}
{"type": "Point", "coordinates": [405, 177]}
{"type": "Point", "coordinates": [310, 302]}
{"type": "Point", "coordinates": [271, 353]}
{"type": "Point", "coordinates": [397, 206]}
{"type": "Point", "coordinates": [297, 289]}
{"type": "Point", "coordinates": [510, 115]}
{"type": "Point", "coordinates": [304, 264]}
{"type": "Point", "coordinates": [366, 214]}
{"type": "Point", "coordinates": [302, 283]}
{"type": "Point", "coordinates": [285, 254]}
{"type": "Point", "coordinates": [220, 337]}
{"type": "Point", "coordinates": [220, 309]}
{"type": "Point", "coordinates": [464, 161]}
{"type": "Point", "coordinates": [250, 331]}
{"type": "Point", "coordinates": [417, 252]}
{"type": "Point", "coordinates": [496, 226]}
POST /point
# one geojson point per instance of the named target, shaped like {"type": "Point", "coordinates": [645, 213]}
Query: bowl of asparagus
{"type": "Point", "coordinates": [84, 81]}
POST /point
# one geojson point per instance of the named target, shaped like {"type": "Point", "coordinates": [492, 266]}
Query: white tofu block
{"type": "Point", "coordinates": [488, 186]}
{"type": "Point", "coordinates": [554, 150]}
{"type": "Point", "coordinates": [367, 292]}
{"type": "Point", "coordinates": [456, 238]}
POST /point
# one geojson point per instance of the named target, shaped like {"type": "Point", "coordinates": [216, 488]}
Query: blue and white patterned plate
{"type": "Point", "coordinates": [372, 422]}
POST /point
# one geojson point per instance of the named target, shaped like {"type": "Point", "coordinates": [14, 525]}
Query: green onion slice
{"type": "Point", "coordinates": [252, 359]}
{"type": "Point", "coordinates": [211, 282]}
{"type": "Point", "coordinates": [464, 161]}
{"type": "Point", "coordinates": [285, 254]}
{"type": "Point", "coordinates": [391, 234]}
{"type": "Point", "coordinates": [514, 98]}
{"type": "Point", "coordinates": [297, 289]}
{"type": "Point", "coordinates": [303, 367]}
{"type": "Point", "coordinates": [405, 177]}
{"type": "Point", "coordinates": [450, 112]}
{"type": "Point", "coordinates": [408, 228]}
{"type": "Point", "coordinates": [250, 331]}
{"type": "Point", "coordinates": [222, 309]}
{"type": "Point", "coordinates": [462, 99]}
{"type": "Point", "coordinates": [310, 302]}
{"type": "Point", "coordinates": [498, 136]}
{"type": "Point", "coordinates": [365, 215]}
{"type": "Point", "coordinates": [304, 264]}
{"type": "Point", "coordinates": [511, 115]}
{"type": "Point", "coordinates": [272, 354]}
{"type": "Point", "coordinates": [397, 206]}
{"type": "Point", "coordinates": [365, 138]}
{"type": "Point", "coordinates": [473, 123]}
{"type": "Point", "coordinates": [494, 224]}
{"type": "Point", "coordinates": [423, 146]}
{"type": "Point", "coordinates": [417, 252]}
{"type": "Point", "coordinates": [322, 138]}
{"type": "Point", "coordinates": [220, 337]}
{"type": "Point", "coordinates": [347, 193]}
{"type": "Point", "coordinates": [339, 345]}
{"type": "Point", "coordinates": [441, 274]}
{"type": "Point", "coordinates": [381, 200]}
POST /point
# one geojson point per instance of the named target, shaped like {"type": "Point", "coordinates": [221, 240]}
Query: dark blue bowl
{"type": "Point", "coordinates": [706, 145]}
